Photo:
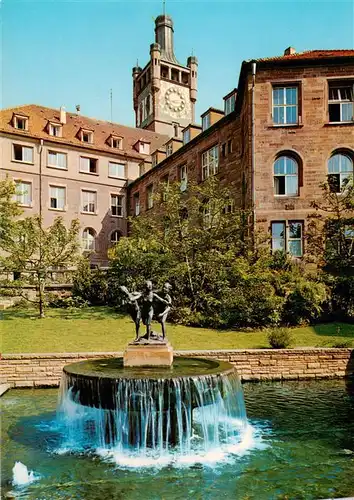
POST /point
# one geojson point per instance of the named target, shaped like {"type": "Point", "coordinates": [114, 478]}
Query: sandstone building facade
{"type": "Point", "coordinates": [284, 130]}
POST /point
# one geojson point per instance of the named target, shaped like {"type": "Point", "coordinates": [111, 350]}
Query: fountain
{"type": "Point", "coordinates": [149, 403]}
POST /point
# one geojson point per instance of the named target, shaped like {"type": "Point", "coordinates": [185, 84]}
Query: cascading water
{"type": "Point", "coordinates": [194, 409]}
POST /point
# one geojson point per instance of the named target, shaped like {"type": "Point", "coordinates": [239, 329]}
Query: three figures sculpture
{"type": "Point", "coordinates": [143, 306]}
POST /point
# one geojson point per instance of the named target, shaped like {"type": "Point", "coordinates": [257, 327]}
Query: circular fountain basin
{"type": "Point", "coordinates": [95, 383]}
{"type": "Point", "coordinates": [151, 407]}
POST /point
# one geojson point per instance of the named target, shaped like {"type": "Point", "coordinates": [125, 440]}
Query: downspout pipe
{"type": "Point", "coordinates": [253, 154]}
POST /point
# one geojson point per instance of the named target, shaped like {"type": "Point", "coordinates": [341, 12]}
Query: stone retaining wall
{"type": "Point", "coordinates": [44, 370]}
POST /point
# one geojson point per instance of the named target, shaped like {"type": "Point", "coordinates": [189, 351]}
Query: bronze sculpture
{"type": "Point", "coordinates": [142, 306]}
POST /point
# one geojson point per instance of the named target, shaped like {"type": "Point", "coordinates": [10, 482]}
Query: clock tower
{"type": "Point", "coordinates": [165, 91]}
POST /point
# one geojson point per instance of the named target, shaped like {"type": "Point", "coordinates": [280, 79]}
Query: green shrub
{"type": "Point", "coordinates": [279, 338]}
{"type": "Point", "coordinates": [304, 302]}
{"type": "Point", "coordinates": [91, 285]}
{"type": "Point", "coordinates": [68, 302]}
{"type": "Point", "coordinates": [342, 344]}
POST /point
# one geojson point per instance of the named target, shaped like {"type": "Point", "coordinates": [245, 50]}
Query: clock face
{"type": "Point", "coordinates": [174, 99]}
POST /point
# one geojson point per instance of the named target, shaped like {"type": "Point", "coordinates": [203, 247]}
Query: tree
{"type": "Point", "coordinates": [9, 208]}
{"type": "Point", "coordinates": [33, 251]}
{"type": "Point", "coordinates": [330, 244]}
{"type": "Point", "coordinates": [330, 234]}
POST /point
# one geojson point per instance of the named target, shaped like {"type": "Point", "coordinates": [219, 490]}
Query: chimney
{"type": "Point", "coordinates": [289, 51]}
{"type": "Point", "coordinates": [78, 108]}
{"type": "Point", "coordinates": [62, 115]}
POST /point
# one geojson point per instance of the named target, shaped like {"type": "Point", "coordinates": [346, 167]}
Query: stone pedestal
{"type": "Point", "coordinates": [148, 354]}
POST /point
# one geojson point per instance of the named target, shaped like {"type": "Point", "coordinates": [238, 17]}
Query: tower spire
{"type": "Point", "coordinates": [164, 7]}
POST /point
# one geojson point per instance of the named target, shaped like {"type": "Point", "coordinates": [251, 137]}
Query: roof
{"type": "Point", "coordinates": [311, 54]}
{"type": "Point", "coordinates": [39, 116]}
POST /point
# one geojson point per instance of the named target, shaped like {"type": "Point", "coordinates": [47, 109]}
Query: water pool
{"type": "Point", "coordinates": [302, 448]}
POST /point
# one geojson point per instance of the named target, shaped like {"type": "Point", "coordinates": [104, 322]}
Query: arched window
{"type": "Point", "coordinates": [340, 168]}
{"type": "Point", "coordinates": [115, 237]}
{"type": "Point", "coordinates": [88, 239]}
{"type": "Point", "coordinates": [286, 176]}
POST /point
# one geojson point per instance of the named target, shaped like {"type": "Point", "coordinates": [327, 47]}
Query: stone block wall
{"type": "Point", "coordinates": [44, 370]}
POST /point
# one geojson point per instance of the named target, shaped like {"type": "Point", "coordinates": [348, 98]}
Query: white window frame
{"type": "Point", "coordinates": [116, 231]}
{"type": "Point", "coordinates": [210, 163]}
{"type": "Point", "coordinates": [230, 104]}
{"type": "Point", "coordinates": [115, 164]}
{"type": "Point", "coordinates": [82, 171]}
{"type": "Point", "coordinates": [186, 136]}
{"type": "Point", "coordinates": [144, 148]}
{"type": "Point", "coordinates": [183, 175]}
{"type": "Point", "coordinates": [56, 165]}
{"type": "Point", "coordinates": [58, 198]}
{"type": "Point", "coordinates": [287, 239]}
{"type": "Point", "coordinates": [286, 175]}
{"type": "Point", "coordinates": [169, 149]}
{"type": "Point", "coordinates": [149, 196]}
{"type": "Point", "coordinates": [341, 100]}
{"type": "Point", "coordinates": [55, 126]}
{"type": "Point", "coordinates": [136, 198]}
{"type": "Point", "coordinates": [119, 143]}
{"type": "Point", "coordinates": [89, 134]}
{"type": "Point", "coordinates": [206, 122]}
{"type": "Point", "coordinates": [88, 202]}
{"type": "Point", "coordinates": [21, 197]}
{"type": "Point", "coordinates": [86, 241]}
{"type": "Point", "coordinates": [342, 174]}
{"type": "Point", "coordinates": [31, 162]}
{"type": "Point", "coordinates": [285, 105]}
{"type": "Point", "coordinates": [17, 118]}
{"type": "Point", "coordinates": [118, 205]}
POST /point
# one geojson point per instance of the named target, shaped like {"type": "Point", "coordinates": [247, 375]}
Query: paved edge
{"type": "Point", "coordinates": [4, 388]}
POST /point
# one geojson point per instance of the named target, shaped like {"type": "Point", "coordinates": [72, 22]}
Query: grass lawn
{"type": "Point", "coordinates": [101, 329]}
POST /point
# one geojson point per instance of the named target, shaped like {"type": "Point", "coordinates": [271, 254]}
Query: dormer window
{"type": "Point", "coordinates": [230, 104]}
{"type": "Point", "coordinates": [55, 129]}
{"type": "Point", "coordinates": [116, 142]}
{"type": "Point", "coordinates": [169, 149]}
{"type": "Point", "coordinates": [186, 136]}
{"type": "Point", "coordinates": [206, 122]}
{"type": "Point", "coordinates": [86, 136]}
{"type": "Point", "coordinates": [154, 160]}
{"type": "Point", "coordinates": [20, 122]}
{"type": "Point", "coordinates": [143, 147]}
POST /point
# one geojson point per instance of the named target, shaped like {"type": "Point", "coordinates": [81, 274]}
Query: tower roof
{"type": "Point", "coordinates": [164, 37]}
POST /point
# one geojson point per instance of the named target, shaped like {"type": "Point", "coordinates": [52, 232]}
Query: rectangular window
{"type": "Point", "coordinates": [206, 122]}
{"type": "Point", "coordinates": [58, 160]}
{"type": "Point", "coordinates": [116, 170]}
{"type": "Point", "coordinates": [117, 205]}
{"type": "Point", "coordinates": [285, 105]}
{"type": "Point", "coordinates": [165, 185]}
{"type": "Point", "coordinates": [150, 196]}
{"type": "Point", "coordinates": [21, 123]}
{"type": "Point", "coordinates": [22, 153]}
{"type": "Point", "coordinates": [287, 237]}
{"type": "Point", "coordinates": [87, 136]}
{"type": "Point", "coordinates": [154, 160]}
{"type": "Point", "coordinates": [341, 102]}
{"type": "Point", "coordinates": [141, 169]}
{"type": "Point", "coordinates": [144, 148]}
{"type": "Point", "coordinates": [24, 193]}
{"type": "Point", "coordinates": [89, 201]}
{"type": "Point", "coordinates": [116, 142]}
{"type": "Point", "coordinates": [169, 149]}
{"type": "Point", "coordinates": [183, 177]}
{"type": "Point", "coordinates": [136, 204]}
{"type": "Point", "coordinates": [186, 136]}
{"type": "Point", "coordinates": [57, 197]}
{"type": "Point", "coordinates": [230, 104]}
{"type": "Point", "coordinates": [210, 162]}
{"type": "Point", "coordinates": [223, 150]}
{"type": "Point", "coordinates": [55, 130]}
{"type": "Point", "coordinates": [88, 165]}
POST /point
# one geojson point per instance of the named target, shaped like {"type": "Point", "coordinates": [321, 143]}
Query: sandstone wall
{"type": "Point", "coordinates": [44, 370]}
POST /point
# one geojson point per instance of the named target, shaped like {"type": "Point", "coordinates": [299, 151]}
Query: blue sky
{"type": "Point", "coordinates": [58, 52]}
